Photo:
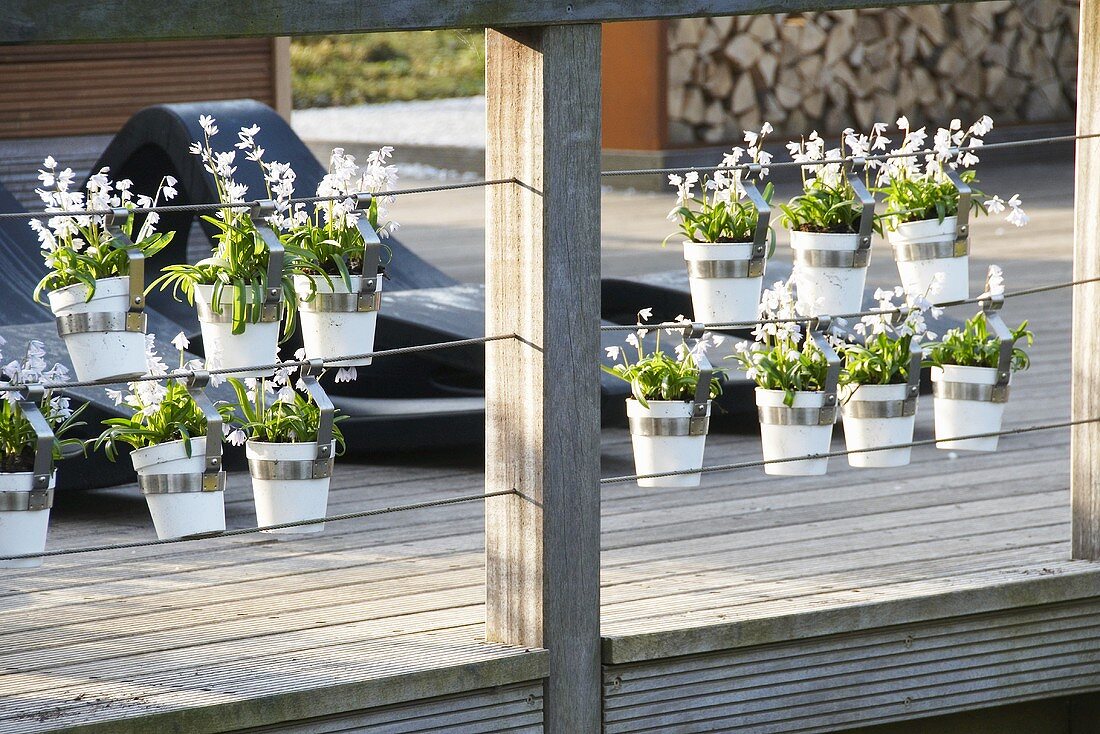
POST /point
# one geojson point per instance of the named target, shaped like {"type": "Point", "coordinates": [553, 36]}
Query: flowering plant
{"type": "Point", "coordinates": [915, 192]}
{"type": "Point", "coordinates": [272, 410]}
{"type": "Point", "coordinates": [79, 248]}
{"type": "Point", "coordinates": [721, 212]}
{"type": "Point", "coordinates": [17, 437]}
{"type": "Point", "coordinates": [827, 202]}
{"type": "Point", "coordinates": [884, 356]}
{"type": "Point", "coordinates": [779, 359]}
{"type": "Point", "coordinates": [330, 234]}
{"type": "Point", "coordinates": [973, 345]}
{"type": "Point", "coordinates": [163, 411]}
{"type": "Point", "coordinates": [657, 375]}
{"type": "Point", "coordinates": [239, 261]}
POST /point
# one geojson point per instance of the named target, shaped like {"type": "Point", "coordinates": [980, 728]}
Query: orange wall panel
{"type": "Point", "coordinates": [635, 83]}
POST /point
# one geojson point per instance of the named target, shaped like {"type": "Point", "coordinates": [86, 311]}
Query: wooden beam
{"type": "Point", "coordinates": [60, 21]}
{"type": "Point", "coordinates": [542, 412]}
{"type": "Point", "coordinates": [1085, 446]}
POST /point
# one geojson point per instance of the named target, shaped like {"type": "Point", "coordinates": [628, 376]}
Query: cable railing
{"type": "Point", "coordinates": [214, 206]}
{"type": "Point", "coordinates": [458, 343]}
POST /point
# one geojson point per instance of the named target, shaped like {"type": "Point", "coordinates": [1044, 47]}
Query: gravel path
{"type": "Point", "coordinates": [456, 122]}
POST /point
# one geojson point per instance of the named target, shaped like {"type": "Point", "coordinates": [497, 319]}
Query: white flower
{"type": "Point", "coordinates": [645, 314]}
{"type": "Point", "coordinates": [207, 124]}
{"type": "Point", "coordinates": [235, 436]}
{"type": "Point", "coordinates": [1016, 214]}
{"type": "Point", "coordinates": [613, 352]}
{"type": "Point", "coordinates": [632, 340]}
{"type": "Point", "coordinates": [346, 374]}
{"type": "Point", "coordinates": [180, 342]}
{"type": "Point", "coordinates": [995, 281]}
{"type": "Point", "coordinates": [996, 205]}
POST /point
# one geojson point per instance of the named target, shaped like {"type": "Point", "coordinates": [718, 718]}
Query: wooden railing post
{"type": "Point", "coordinates": [542, 391]}
{"type": "Point", "coordinates": [1085, 443]}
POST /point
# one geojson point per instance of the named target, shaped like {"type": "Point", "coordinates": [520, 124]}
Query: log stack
{"type": "Point", "coordinates": [1015, 61]}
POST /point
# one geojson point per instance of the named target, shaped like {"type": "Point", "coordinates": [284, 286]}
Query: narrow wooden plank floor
{"type": "Point", "coordinates": [121, 634]}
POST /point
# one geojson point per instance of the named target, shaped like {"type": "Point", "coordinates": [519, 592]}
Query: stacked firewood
{"type": "Point", "coordinates": [1015, 61]}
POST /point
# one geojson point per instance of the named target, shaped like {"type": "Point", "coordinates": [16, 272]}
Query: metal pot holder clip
{"type": "Point", "coordinates": [40, 497]}
{"type": "Point", "coordinates": [893, 408]}
{"type": "Point", "coordinates": [997, 392]}
{"type": "Point", "coordinates": [754, 266]}
{"type": "Point", "coordinates": [781, 415]}
{"type": "Point", "coordinates": [955, 246]}
{"type": "Point", "coordinates": [861, 256]}
{"type": "Point", "coordinates": [106, 321]}
{"type": "Point", "coordinates": [368, 298]}
{"type": "Point", "coordinates": [316, 468]}
{"type": "Point", "coordinates": [699, 421]}
{"type": "Point", "coordinates": [212, 478]}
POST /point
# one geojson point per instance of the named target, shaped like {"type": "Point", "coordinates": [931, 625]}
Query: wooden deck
{"type": "Point", "coordinates": [756, 603]}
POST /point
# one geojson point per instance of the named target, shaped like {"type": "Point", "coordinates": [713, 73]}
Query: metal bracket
{"type": "Point", "coordinates": [997, 392]}
{"type": "Point", "coordinates": [322, 466]}
{"type": "Point", "coordinates": [212, 478]}
{"type": "Point", "coordinates": [816, 332]}
{"type": "Point", "coordinates": [853, 171]}
{"type": "Point", "coordinates": [134, 319]}
{"type": "Point", "coordinates": [693, 335]}
{"type": "Point", "coordinates": [892, 408]}
{"type": "Point", "coordinates": [826, 414]}
{"type": "Point", "coordinates": [136, 269]}
{"type": "Point", "coordinates": [29, 400]}
{"type": "Point", "coordinates": [272, 307]}
{"type": "Point", "coordinates": [752, 177]}
{"type": "Point", "coordinates": [916, 356]}
{"type": "Point", "coordinates": [861, 256]}
{"type": "Point", "coordinates": [372, 248]}
{"type": "Point", "coordinates": [196, 384]}
{"type": "Point", "coordinates": [991, 306]}
{"type": "Point", "coordinates": [962, 218]}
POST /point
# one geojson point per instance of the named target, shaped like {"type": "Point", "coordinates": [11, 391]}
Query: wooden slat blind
{"type": "Point", "coordinates": [94, 88]}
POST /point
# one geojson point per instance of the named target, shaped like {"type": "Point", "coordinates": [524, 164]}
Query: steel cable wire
{"type": "Point", "coordinates": [834, 454]}
{"type": "Point", "coordinates": [173, 208]}
{"type": "Point", "coordinates": [249, 531]}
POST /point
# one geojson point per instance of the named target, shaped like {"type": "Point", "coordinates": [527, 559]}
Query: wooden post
{"type": "Point", "coordinates": [1085, 444]}
{"type": "Point", "coordinates": [542, 416]}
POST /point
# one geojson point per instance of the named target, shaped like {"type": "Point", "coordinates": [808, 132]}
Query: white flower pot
{"type": "Point", "coordinates": [327, 334]}
{"type": "Point", "coordinates": [101, 355]}
{"type": "Point", "coordinates": [258, 344]}
{"type": "Point", "coordinates": [828, 290]}
{"type": "Point", "coordinates": [966, 417]}
{"type": "Point", "coordinates": [22, 531]}
{"type": "Point", "coordinates": [718, 300]}
{"type": "Point", "coordinates": [917, 275]}
{"type": "Point", "coordinates": [180, 514]}
{"type": "Point", "coordinates": [656, 454]}
{"type": "Point", "coordinates": [288, 500]}
{"type": "Point", "coordinates": [865, 433]}
{"type": "Point", "coordinates": [785, 441]}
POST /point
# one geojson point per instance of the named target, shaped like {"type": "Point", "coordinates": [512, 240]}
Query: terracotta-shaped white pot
{"type": "Point", "coordinates": [828, 290]}
{"type": "Point", "coordinates": [917, 275]}
{"type": "Point", "coordinates": [22, 531]}
{"type": "Point", "coordinates": [180, 514]}
{"type": "Point", "coordinates": [862, 433]}
{"type": "Point", "coordinates": [966, 417]}
{"type": "Point", "coordinates": [258, 344]}
{"type": "Point", "coordinates": [329, 334]}
{"type": "Point", "coordinates": [787, 441]}
{"type": "Point", "coordinates": [721, 299]}
{"type": "Point", "coordinates": [288, 500]}
{"type": "Point", "coordinates": [654, 454]}
{"type": "Point", "coordinates": [101, 355]}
